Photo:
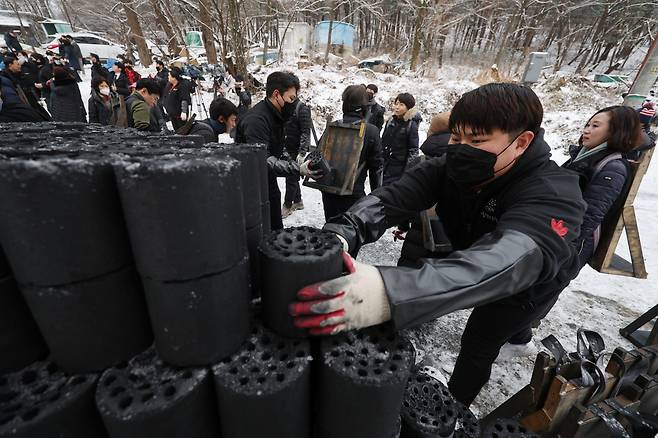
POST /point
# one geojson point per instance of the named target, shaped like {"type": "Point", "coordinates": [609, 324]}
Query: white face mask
{"type": "Point", "coordinates": [104, 91]}
{"type": "Point", "coordinates": [21, 60]}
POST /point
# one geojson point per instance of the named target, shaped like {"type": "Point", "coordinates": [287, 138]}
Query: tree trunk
{"type": "Point", "coordinates": [161, 20]}
{"type": "Point", "coordinates": [136, 31]}
{"type": "Point", "coordinates": [239, 44]}
{"type": "Point", "coordinates": [205, 17]}
{"type": "Point", "coordinates": [326, 52]}
{"type": "Point", "coordinates": [418, 33]}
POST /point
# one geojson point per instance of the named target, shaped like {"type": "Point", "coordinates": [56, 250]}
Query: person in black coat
{"type": "Point", "coordinates": [243, 95]}
{"type": "Point", "coordinates": [119, 80]}
{"type": "Point", "coordinates": [98, 70]}
{"type": "Point", "coordinates": [297, 140]}
{"type": "Point", "coordinates": [19, 112]}
{"type": "Point", "coordinates": [264, 124]}
{"type": "Point", "coordinates": [162, 76]}
{"type": "Point", "coordinates": [66, 101]}
{"type": "Point", "coordinates": [376, 111]}
{"type": "Point", "coordinates": [512, 215]}
{"type": "Point", "coordinates": [371, 160]}
{"type": "Point", "coordinates": [177, 99]}
{"type": "Point", "coordinates": [103, 102]}
{"type": "Point", "coordinates": [400, 137]}
{"type": "Point", "coordinates": [11, 40]}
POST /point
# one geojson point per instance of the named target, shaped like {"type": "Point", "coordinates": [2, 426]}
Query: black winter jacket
{"type": "Point", "coordinates": [514, 238]}
{"type": "Point", "coordinates": [297, 131]}
{"type": "Point", "coordinates": [376, 114]}
{"type": "Point", "coordinates": [371, 160]}
{"type": "Point", "coordinates": [436, 144]}
{"type": "Point", "coordinates": [209, 129]}
{"type": "Point", "coordinates": [263, 124]}
{"type": "Point", "coordinates": [121, 82]}
{"type": "Point", "coordinates": [102, 111]}
{"type": "Point", "coordinates": [177, 98]}
{"type": "Point", "coordinates": [66, 102]}
{"type": "Point", "coordinates": [98, 70]}
{"type": "Point", "coordinates": [400, 138]}
{"type": "Point", "coordinates": [602, 193]}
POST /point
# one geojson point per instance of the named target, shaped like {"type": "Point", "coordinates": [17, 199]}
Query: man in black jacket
{"type": "Point", "coordinates": [297, 140]}
{"type": "Point", "coordinates": [511, 214]}
{"type": "Point", "coordinates": [11, 40]}
{"type": "Point", "coordinates": [376, 113]}
{"type": "Point", "coordinates": [98, 70]}
{"type": "Point", "coordinates": [264, 124]}
{"type": "Point", "coordinates": [371, 160]}
{"type": "Point", "coordinates": [177, 98]}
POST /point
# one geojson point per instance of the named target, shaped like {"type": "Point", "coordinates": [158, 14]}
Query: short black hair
{"type": "Point", "coordinates": [97, 81]}
{"type": "Point", "coordinates": [407, 99]}
{"type": "Point", "coordinates": [510, 108]}
{"type": "Point", "coordinates": [238, 78]}
{"type": "Point", "coordinates": [282, 81]}
{"type": "Point", "coordinates": [176, 72]}
{"type": "Point", "coordinates": [373, 87]}
{"type": "Point", "coordinates": [355, 99]}
{"type": "Point", "coordinates": [159, 62]}
{"type": "Point", "coordinates": [151, 85]}
{"type": "Point", "coordinates": [222, 107]}
{"type": "Point", "coordinates": [120, 64]}
{"type": "Point", "coordinates": [9, 59]}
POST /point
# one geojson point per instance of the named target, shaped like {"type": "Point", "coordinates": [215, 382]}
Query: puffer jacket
{"type": "Point", "coordinates": [604, 192]}
{"type": "Point", "coordinates": [400, 138]}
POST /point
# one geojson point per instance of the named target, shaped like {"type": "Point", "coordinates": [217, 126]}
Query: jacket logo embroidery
{"type": "Point", "coordinates": [559, 228]}
{"type": "Point", "coordinates": [489, 211]}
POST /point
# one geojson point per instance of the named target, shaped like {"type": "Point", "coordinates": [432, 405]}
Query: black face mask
{"type": "Point", "coordinates": [469, 167]}
{"type": "Point", "coordinates": [288, 109]}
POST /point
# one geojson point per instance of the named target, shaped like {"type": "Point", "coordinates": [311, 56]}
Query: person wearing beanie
{"type": "Point", "coordinates": [647, 115]}
{"type": "Point", "coordinates": [376, 113]}
{"type": "Point", "coordinates": [65, 99]}
{"type": "Point", "coordinates": [400, 138]}
{"type": "Point", "coordinates": [97, 69]}
{"type": "Point", "coordinates": [177, 97]}
{"type": "Point", "coordinates": [371, 160]}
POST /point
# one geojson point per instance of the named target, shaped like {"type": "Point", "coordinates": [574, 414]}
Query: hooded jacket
{"type": "Point", "coordinates": [400, 138]}
{"type": "Point", "coordinates": [513, 239]}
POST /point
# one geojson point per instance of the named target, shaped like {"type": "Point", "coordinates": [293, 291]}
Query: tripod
{"type": "Point", "coordinates": [200, 104]}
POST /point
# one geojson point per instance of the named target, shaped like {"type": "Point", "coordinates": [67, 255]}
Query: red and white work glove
{"type": "Point", "coordinates": [353, 301]}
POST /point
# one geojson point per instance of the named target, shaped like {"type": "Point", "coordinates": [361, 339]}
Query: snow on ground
{"type": "Point", "coordinates": [596, 301]}
{"type": "Point", "coordinates": [599, 302]}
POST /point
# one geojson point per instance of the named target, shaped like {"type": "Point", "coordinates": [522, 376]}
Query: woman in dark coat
{"type": "Point", "coordinates": [177, 98]}
{"type": "Point", "coordinates": [119, 80]}
{"type": "Point", "coordinates": [612, 134]}
{"type": "Point", "coordinates": [65, 99]}
{"type": "Point", "coordinates": [103, 102]}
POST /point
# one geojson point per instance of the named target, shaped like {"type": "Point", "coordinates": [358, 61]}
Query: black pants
{"type": "Point", "coordinates": [176, 122]}
{"type": "Point", "coordinates": [392, 172]}
{"type": "Point", "coordinates": [335, 205]}
{"type": "Point", "coordinates": [275, 204]}
{"type": "Point", "coordinates": [488, 329]}
{"type": "Point", "coordinates": [293, 191]}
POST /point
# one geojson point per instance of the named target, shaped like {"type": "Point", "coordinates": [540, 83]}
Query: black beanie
{"type": "Point", "coordinates": [406, 99]}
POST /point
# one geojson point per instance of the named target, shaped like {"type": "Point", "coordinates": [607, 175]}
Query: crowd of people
{"type": "Point", "coordinates": [518, 227]}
